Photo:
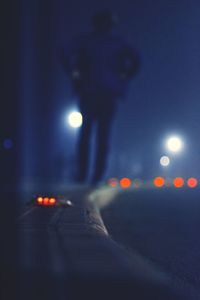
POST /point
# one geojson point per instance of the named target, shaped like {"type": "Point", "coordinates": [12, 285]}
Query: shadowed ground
{"type": "Point", "coordinates": [145, 245]}
{"type": "Point", "coordinates": [163, 226]}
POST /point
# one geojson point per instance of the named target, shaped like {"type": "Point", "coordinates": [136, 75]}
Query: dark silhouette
{"type": "Point", "coordinates": [100, 64]}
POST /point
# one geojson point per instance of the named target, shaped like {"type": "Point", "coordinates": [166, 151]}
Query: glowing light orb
{"type": "Point", "coordinates": [112, 182]}
{"type": "Point", "coordinates": [52, 201]}
{"type": "Point", "coordinates": [164, 161]}
{"type": "Point", "coordinates": [192, 182]}
{"type": "Point", "coordinates": [75, 119]}
{"type": "Point", "coordinates": [159, 182]}
{"type": "Point", "coordinates": [39, 200]}
{"type": "Point", "coordinates": [46, 201]}
{"type": "Point", "coordinates": [179, 182]}
{"type": "Point", "coordinates": [174, 144]}
{"type": "Point", "coordinates": [8, 144]}
{"type": "Point", "coordinates": [137, 183]}
{"type": "Point", "coordinates": [69, 203]}
{"type": "Point", "coordinates": [125, 182]}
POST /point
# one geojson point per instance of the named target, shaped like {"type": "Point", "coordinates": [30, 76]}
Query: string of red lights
{"type": "Point", "coordinates": [157, 182]}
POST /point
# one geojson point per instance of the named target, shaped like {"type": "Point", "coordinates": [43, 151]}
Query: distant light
{"type": "Point", "coordinates": [8, 144]}
{"type": "Point", "coordinates": [125, 182]}
{"type": "Point", "coordinates": [69, 203]}
{"type": "Point", "coordinates": [113, 182]}
{"type": "Point", "coordinates": [137, 183]}
{"type": "Point", "coordinates": [148, 183]}
{"type": "Point", "coordinates": [178, 182]}
{"type": "Point", "coordinates": [52, 201]}
{"type": "Point", "coordinates": [164, 161]}
{"type": "Point", "coordinates": [39, 200]}
{"type": "Point", "coordinates": [174, 144]}
{"type": "Point", "coordinates": [192, 182]}
{"type": "Point", "coordinates": [46, 201]}
{"type": "Point", "coordinates": [159, 181]}
{"type": "Point", "coordinates": [75, 119]}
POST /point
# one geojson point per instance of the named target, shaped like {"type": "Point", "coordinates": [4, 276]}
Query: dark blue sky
{"type": "Point", "coordinates": [164, 97]}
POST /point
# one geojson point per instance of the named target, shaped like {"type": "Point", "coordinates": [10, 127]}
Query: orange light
{"type": "Point", "coordinates": [125, 182]}
{"type": "Point", "coordinates": [39, 200]}
{"type": "Point", "coordinates": [52, 201]}
{"type": "Point", "coordinates": [159, 181]}
{"type": "Point", "coordinates": [137, 183]}
{"type": "Point", "coordinates": [112, 182]}
{"type": "Point", "coordinates": [192, 182]}
{"type": "Point", "coordinates": [178, 182]}
{"type": "Point", "coordinates": [46, 201]}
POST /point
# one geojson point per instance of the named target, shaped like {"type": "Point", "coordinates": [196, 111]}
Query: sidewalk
{"type": "Point", "coordinates": [67, 253]}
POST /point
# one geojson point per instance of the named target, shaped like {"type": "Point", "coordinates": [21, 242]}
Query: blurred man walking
{"type": "Point", "coordinates": [100, 64]}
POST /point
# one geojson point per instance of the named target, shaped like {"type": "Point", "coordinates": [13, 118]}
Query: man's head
{"type": "Point", "coordinates": [104, 20]}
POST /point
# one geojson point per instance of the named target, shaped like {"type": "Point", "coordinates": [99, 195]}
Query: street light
{"type": "Point", "coordinates": [174, 144]}
{"type": "Point", "coordinates": [74, 119]}
{"type": "Point", "coordinates": [164, 161]}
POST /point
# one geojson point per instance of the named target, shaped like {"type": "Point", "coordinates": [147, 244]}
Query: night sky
{"type": "Point", "coordinates": [162, 99]}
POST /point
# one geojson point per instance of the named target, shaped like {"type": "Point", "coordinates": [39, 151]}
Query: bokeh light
{"type": "Point", "coordinates": [192, 182]}
{"type": "Point", "coordinates": [113, 182]}
{"type": "Point", "coordinates": [75, 119]}
{"type": "Point", "coordinates": [164, 161]}
{"type": "Point", "coordinates": [52, 201]}
{"type": "Point", "coordinates": [137, 183]}
{"type": "Point", "coordinates": [46, 201]}
{"type": "Point", "coordinates": [159, 181]}
{"type": "Point", "coordinates": [125, 182]}
{"type": "Point", "coordinates": [179, 182]}
{"type": "Point", "coordinates": [8, 144]}
{"type": "Point", "coordinates": [39, 200]}
{"type": "Point", "coordinates": [69, 203]}
{"type": "Point", "coordinates": [174, 144]}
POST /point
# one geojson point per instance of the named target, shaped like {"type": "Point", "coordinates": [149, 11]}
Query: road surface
{"type": "Point", "coordinates": [145, 246]}
{"type": "Point", "coordinates": [163, 225]}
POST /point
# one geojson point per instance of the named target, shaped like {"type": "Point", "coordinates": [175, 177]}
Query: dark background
{"type": "Point", "coordinates": [35, 95]}
{"type": "Point", "coordinates": [162, 99]}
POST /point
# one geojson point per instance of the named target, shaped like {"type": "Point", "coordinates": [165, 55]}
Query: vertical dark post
{"type": "Point", "coordinates": [9, 143]}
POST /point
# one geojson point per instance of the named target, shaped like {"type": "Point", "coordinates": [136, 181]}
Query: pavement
{"type": "Point", "coordinates": [163, 226]}
{"type": "Point", "coordinates": [109, 244]}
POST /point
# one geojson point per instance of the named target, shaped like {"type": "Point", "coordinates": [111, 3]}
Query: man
{"type": "Point", "coordinates": [100, 65]}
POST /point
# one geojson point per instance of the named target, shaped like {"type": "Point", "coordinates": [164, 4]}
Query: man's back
{"type": "Point", "coordinates": [100, 65]}
{"type": "Point", "coordinates": [102, 60]}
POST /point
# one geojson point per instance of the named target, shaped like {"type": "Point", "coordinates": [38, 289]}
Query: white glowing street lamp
{"type": "Point", "coordinates": [74, 119]}
{"type": "Point", "coordinates": [164, 161]}
{"type": "Point", "coordinates": [174, 144]}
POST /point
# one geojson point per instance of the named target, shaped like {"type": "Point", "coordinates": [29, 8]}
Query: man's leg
{"type": "Point", "coordinates": [83, 147]}
{"type": "Point", "coordinates": [104, 123]}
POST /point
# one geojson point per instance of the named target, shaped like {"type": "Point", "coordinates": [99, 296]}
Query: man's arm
{"type": "Point", "coordinates": [69, 57]}
{"type": "Point", "coordinates": [129, 62]}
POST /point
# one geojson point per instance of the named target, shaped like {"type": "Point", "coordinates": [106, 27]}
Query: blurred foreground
{"type": "Point", "coordinates": [147, 247]}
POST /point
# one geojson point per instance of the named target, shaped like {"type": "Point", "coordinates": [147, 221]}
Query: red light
{"type": "Point", "coordinates": [112, 182]}
{"type": "Point", "coordinates": [52, 201]}
{"type": "Point", "coordinates": [159, 181]}
{"type": "Point", "coordinates": [40, 200]}
{"type": "Point", "coordinates": [125, 183]}
{"type": "Point", "coordinates": [192, 182]}
{"type": "Point", "coordinates": [137, 183]}
{"type": "Point", "coordinates": [46, 201]}
{"type": "Point", "coordinates": [178, 182]}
